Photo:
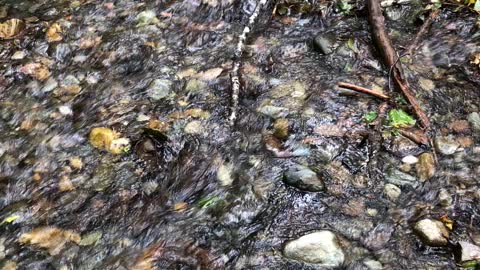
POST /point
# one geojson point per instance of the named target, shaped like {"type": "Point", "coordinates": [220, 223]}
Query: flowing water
{"type": "Point", "coordinates": [193, 192]}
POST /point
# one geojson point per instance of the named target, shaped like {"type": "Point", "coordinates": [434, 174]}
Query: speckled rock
{"type": "Point", "coordinates": [425, 166]}
{"type": "Point", "coordinates": [319, 248]}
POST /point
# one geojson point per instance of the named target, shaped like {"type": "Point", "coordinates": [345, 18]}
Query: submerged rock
{"type": "Point", "coordinates": [273, 111]}
{"type": "Point", "coordinates": [318, 247]}
{"type": "Point", "coordinates": [224, 174]}
{"type": "Point", "coordinates": [400, 178]}
{"type": "Point", "coordinates": [323, 44]}
{"type": "Point", "coordinates": [432, 232]}
{"type": "Point", "coordinates": [392, 192]}
{"type": "Point", "coordinates": [303, 178]}
{"type": "Point", "coordinates": [467, 252]}
{"type": "Point", "coordinates": [446, 145]}
{"type": "Point", "coordinates": [425, 166]}
{"type": "Point", "coordinates": [159, 89]}
{"type": "Point", "coordinates": [410, 159]}
{"type": "Point", "coordinates": [146, 18]}
{"type": "Point", "coordinates": [474, 120]}
{"type": "Point", "coordinates": [194, 127]}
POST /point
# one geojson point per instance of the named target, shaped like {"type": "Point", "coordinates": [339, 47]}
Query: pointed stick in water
{"type": "Point", "coordinates": [362, 90]}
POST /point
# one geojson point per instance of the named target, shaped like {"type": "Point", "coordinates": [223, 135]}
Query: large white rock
{"type": "Point", "coordinates": [318, 247]}
{"type": "Point", "coordinates": [432, 232]}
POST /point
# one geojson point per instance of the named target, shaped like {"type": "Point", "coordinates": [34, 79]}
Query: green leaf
{"type": "Point", "coordinates": [348, 67]}
{"type": "Point", "coordinates": [398, 118]}
{"type": "Point", "coordinates": [370, 116]}
{"type": "Point", "coordinates": [208, 201]}
{"type": "Point", "coordinates": [351, 45]}
{"type": "Point", "coordinates": [10, 219]}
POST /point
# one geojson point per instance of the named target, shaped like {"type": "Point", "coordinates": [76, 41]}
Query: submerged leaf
{"type": "Point", "coordinates": [398, 118]}
{"type": "Point", "coordinates": [370, 116]}
{"type": "Point", "coordinates": [9, 29]}
{"type": "Point", "coordinates": [208, 201]}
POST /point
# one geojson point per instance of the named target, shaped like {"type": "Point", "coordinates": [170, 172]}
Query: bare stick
{"type": "Point", "coordinates": [362, 90]}
{"type": "Point", "coordinates": [425, 27]}
{"type": "Point", "coordinates": [417, 137]}
{"type": "Point", "coordinates": [385, 46]}
{"type": "Point", "coordinates": [236, 64]}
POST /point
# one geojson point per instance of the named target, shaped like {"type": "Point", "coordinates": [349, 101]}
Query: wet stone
{"type": "Point", "coordinates": [445, 198]}
{"type": "Point", "coordinates": [432, 232]}
{"type": "Point", "coordinates": [400, 178]}
{"type": "Point", "coordinates": [303, 178]}
{"type": "Point", "coordinates": [467, 252]}
{"type": "Point", "coordinates": [146, 18]}
{"type": "Point", "coordinates": [273, 111]}
{"type": "Point", "coordinates": [392, 192]}
{"type": "Point", "coordinates": [319, 248]}
{"type": "Point", "coordinates": [159, 89]}
{"type": "Point", "coordinates": [49, 85]}
{"type": "Point", "coordinates": [323, 44]}
{"type": "Point", "coordinates": [446, 145]}
{"type": "Point", "coordinates": [425, 166]}
{"type": "Point", "coordinates": [194, 127]}
{"type": "Point", "coordinates": [426, 84]}
{"type": "Point", "coordinates": [409, 159]}
{"type": "Point", "coordinates": [373, 265]}
{"type": "Point", "coordinates": [474, 120]}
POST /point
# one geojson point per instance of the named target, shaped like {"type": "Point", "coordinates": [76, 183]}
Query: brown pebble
{"type": "Point", "coordinates": [76, 163]}
{"type": "Point", "coordinates": [465, 141]}
{"type": "Point", "coordinates": [65, 184]}
{"type": "Point", "coordinates": [459, 126]}
{"type": "Point", "coordinates": [37, 177]}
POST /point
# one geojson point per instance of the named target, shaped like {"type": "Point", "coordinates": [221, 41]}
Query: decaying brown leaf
{"type": "Point", "coordinates": [51, 238]}
{"type": "Point", "coordinates": [36, 70]}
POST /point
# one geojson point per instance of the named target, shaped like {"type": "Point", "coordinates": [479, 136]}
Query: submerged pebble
{"type": "Point", "coordinates": [303, 178]}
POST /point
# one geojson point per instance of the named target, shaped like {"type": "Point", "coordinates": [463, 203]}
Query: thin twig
{"type": "Point", "coordinates": [425, 27]}
{"type": "Point", "coordinates": [362, 90]}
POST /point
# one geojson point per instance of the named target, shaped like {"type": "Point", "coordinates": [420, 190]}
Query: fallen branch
{"type": "Point", "coordinates": [362, 90]}
{"type": "Point", "coordinates": [385, 46]}
{"type": "Point", "coordinates": [425, 27]}
{"type": "Point", "coordinates": [236, 64]}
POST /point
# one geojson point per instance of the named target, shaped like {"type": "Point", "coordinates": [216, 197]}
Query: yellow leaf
{"type": "Point", "coordinates": [10, 219]}
{"type": "Point", "coordinates": [9, 29]}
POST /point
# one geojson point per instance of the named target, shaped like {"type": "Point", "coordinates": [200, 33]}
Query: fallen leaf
{"type": "Point", "coordinates": [36, 70]}
{"type": "Point", "coordinates": [89, 42]}
{"type": "Point", "coordinates": [54, 33]}
{"type": "Point", "coordinates": [9, 29]}
{"type": "Point", "coordinates": [51, 238]}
